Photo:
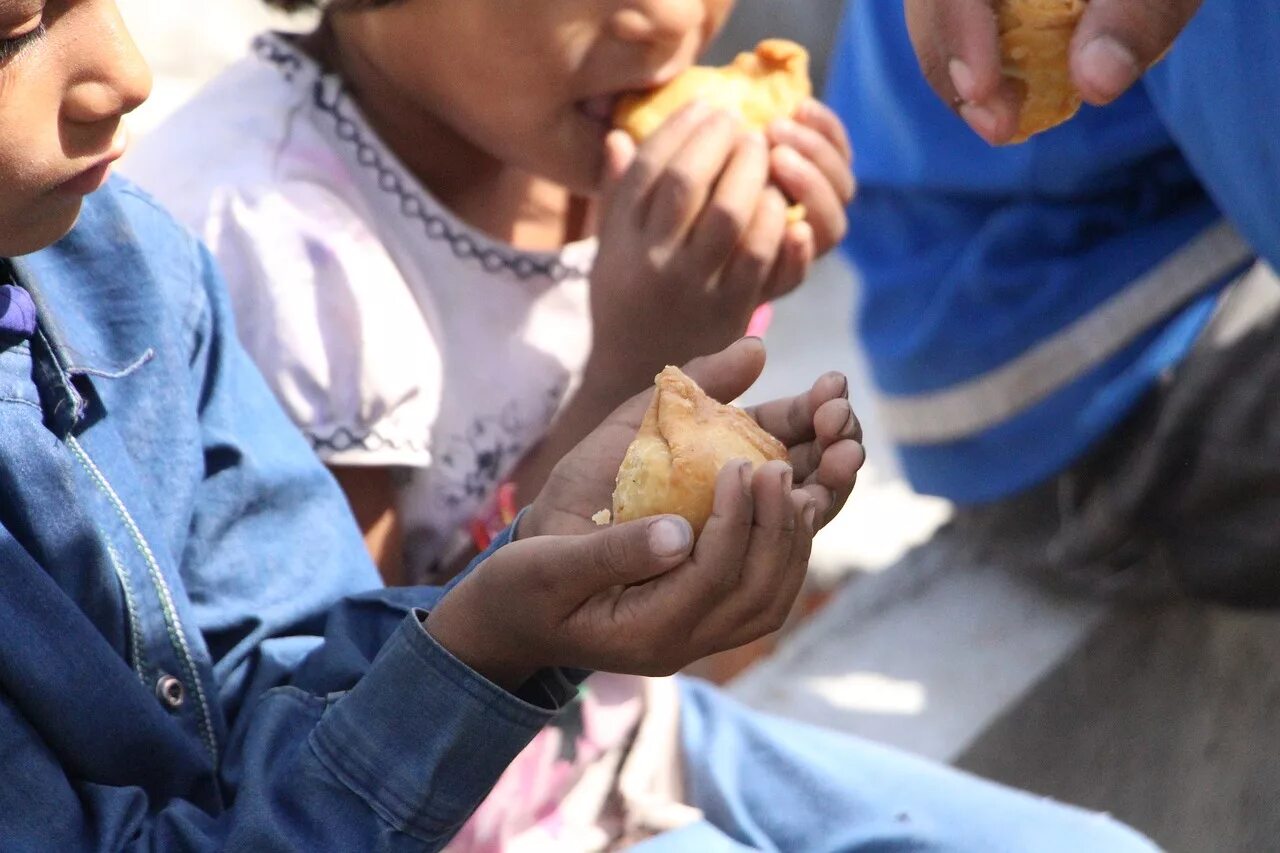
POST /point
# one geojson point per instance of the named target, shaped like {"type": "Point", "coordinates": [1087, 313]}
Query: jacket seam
{"type": "Point", "coordinates": [173, 624]}
{"type": "Point", "coordinates": [131, 609]}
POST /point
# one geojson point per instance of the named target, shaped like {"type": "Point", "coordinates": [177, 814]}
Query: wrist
{"type": "Point", "coordinates": [608, 383]}
{"type": "Point", "coordinates": [463, 635]}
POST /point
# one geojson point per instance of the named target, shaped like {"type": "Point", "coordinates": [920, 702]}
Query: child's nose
{"type": "Point", "coordinates": [660, 20]}
{"type": "Point", "coordinates": [111, 77]}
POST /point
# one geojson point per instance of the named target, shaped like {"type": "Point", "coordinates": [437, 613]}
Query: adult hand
{"type": "Point", "coordinates": [1115, 43]}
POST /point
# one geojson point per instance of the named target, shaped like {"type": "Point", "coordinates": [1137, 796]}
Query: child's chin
{"type": "Point", "coordinates": [584, 177]}
{"type": "Point", "coordinates": [32, 231]}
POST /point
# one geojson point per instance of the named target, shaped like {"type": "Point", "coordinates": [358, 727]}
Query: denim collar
{"type": "Point", "coordinates": [64, 361]}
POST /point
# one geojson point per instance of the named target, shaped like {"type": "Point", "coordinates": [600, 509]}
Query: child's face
{"type": "Point", "coordinates": [532, 83]}
{"type": "Point", "coordinates": [68, 73]}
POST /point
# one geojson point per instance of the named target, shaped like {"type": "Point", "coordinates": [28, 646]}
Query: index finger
{"type": "Point", "coordinates": [823, 119]}
{"type": "Point", "coordinates": [958, 45]}
{"type": "Point", "coordinates": [654, 153]}
{"type": "Point", "coordinates": [790, 420]}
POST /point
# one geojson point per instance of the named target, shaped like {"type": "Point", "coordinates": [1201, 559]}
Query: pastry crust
{"type": "Point", "coordinates": [683, 442]}
{"type": "Point", "coordinates": [758, 87]}
{"type": "Point", "coordinates": [769, 84]}
{"type": "Point", "coordinates": [1035, 41]}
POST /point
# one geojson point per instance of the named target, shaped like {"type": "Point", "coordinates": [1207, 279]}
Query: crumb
{"type": "Point", "coordinates": [602, 518]}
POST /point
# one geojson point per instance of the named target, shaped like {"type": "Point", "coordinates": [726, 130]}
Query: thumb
{"type": "Point", "coordinates": [726, 375]}
{"type": "Point", "coordinates": [624, 554]}
{"type": "Point", "coordinates": [1118, 40]}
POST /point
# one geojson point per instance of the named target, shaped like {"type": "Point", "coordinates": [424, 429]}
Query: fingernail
{"type": "Point", "coordinates": [962, 79]}
{"type": "Point", "coordinates": [811, 516]}
{"type": "Point", "coordinates": [982, 119]}
{"type": "Point", "coordinates": [745, 473]}
{"type": "Point", "coordinates": [786, 479]}
{"type": "Point", "coordinates": [1108, 67]}
{"type": "Point", "coordinates": [850, 424]}
{"type": "Point", "coordinates": [669, 537]}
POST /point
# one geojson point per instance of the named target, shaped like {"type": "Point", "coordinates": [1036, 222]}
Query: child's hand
{"type": "Point", "coordinates": [639, 598]}
{"type": "Point", "coordinates": [812, 161]}
{"type": "Point", "coordinates": [818, 427]}
{"type": "Point", "coordinates": [643, 597]}
{"type": "Point", "coordinates": [691, 242]}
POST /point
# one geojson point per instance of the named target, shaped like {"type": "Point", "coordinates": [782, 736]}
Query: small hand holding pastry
{"type": "Point", "coordinates": [757, 88]}
{"type": "Point", "coordinates": [683, 442]}
{"type": "Point", "coordinates": [646, 596]}
{"type": "Point", "coordinates": [818, 429]}
{"type": "Point", "coordinates": [768, 90]}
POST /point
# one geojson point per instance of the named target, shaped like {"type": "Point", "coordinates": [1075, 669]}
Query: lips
{"type": "Point", "coordinates": [599, 108]}
{"type": "Point", "coordinates": [93, 178]}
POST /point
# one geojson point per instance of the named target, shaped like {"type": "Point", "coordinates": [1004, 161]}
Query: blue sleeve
{"type": "Point", "coordinates": [347, 722]}
{"type": "Point", "coordinates": [950, 235]}
{"type": "Point", "coordinates": [340, 723]}
{"type": "Point", "coordinates": [1216, 92]}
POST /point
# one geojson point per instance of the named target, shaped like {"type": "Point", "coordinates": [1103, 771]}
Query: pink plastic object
{"type": "Point", "coordinates": [760, 321]}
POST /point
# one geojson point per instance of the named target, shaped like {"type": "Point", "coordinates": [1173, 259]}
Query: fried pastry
{"type": "Point", "coordinates": [769, 84]}
{"type": "Point", "coordinates": [683, 442]}
{"type": "Point", "coordinates": [758, 87]}
{"type": "Point", "coordinates": [1035, 41]}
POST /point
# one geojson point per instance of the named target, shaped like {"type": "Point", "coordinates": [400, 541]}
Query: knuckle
{"type": "Point", "coordinates": [614, 555]}
{"type": "Point", "coordinates": [652, 663]}
{"type": "Point", "coordinates": [757, 256]}
{"type": "Point", "coordinates": [776, 617]}
{"type": "Point", "coordinates": [645, 169]}
{"type": "Point", "coordinates": [724, 224]}
{"type": "Point", "coordinates": [679, 189]}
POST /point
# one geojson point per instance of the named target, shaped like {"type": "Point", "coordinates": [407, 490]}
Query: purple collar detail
{"type": "Point", "coordinates": [17, 312]}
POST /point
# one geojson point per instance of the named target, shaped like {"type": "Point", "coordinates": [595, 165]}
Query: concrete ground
{"type": "Point", "coordinates": [1162, 716]}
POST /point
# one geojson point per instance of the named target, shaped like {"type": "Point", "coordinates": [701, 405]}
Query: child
{"type": "Point", "coordinates": [194, 653]}
{"type": "Point", "coordinates": [404, 227]}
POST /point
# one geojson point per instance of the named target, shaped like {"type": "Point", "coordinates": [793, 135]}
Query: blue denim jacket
{"type": "Point", "coordinates": [194, 649]}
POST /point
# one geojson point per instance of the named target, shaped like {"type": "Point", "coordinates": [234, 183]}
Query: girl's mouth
{"type": "Point", "coordinates": [600, 108]}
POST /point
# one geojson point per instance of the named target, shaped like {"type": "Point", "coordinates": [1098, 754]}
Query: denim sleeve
{"type": "Point", "coordinates": [343, 725]}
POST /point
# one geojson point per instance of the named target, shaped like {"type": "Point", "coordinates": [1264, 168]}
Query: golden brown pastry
{"type": "Point", "coordinates": [683, 442]}
{"type": "Point", "coordinates": [769, 84]}
{"type": "Point", "coordinates": [1035, 40]}
{"type": "Point", "coordinates": [759, 87]}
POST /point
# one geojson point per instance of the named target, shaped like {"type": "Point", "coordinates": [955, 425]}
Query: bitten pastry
{"type": "Point", "coordinates": [1035, 40]}
{"type": "Point", "coordinates": [683, 442]}
{"type": "Point", "coordinates": [769, 84]}
{"type": "Point", "coordinates": [759, 87]}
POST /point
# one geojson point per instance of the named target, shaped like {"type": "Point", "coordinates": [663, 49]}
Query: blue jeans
{"type": "Point", "coordinates": [773, 785]}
